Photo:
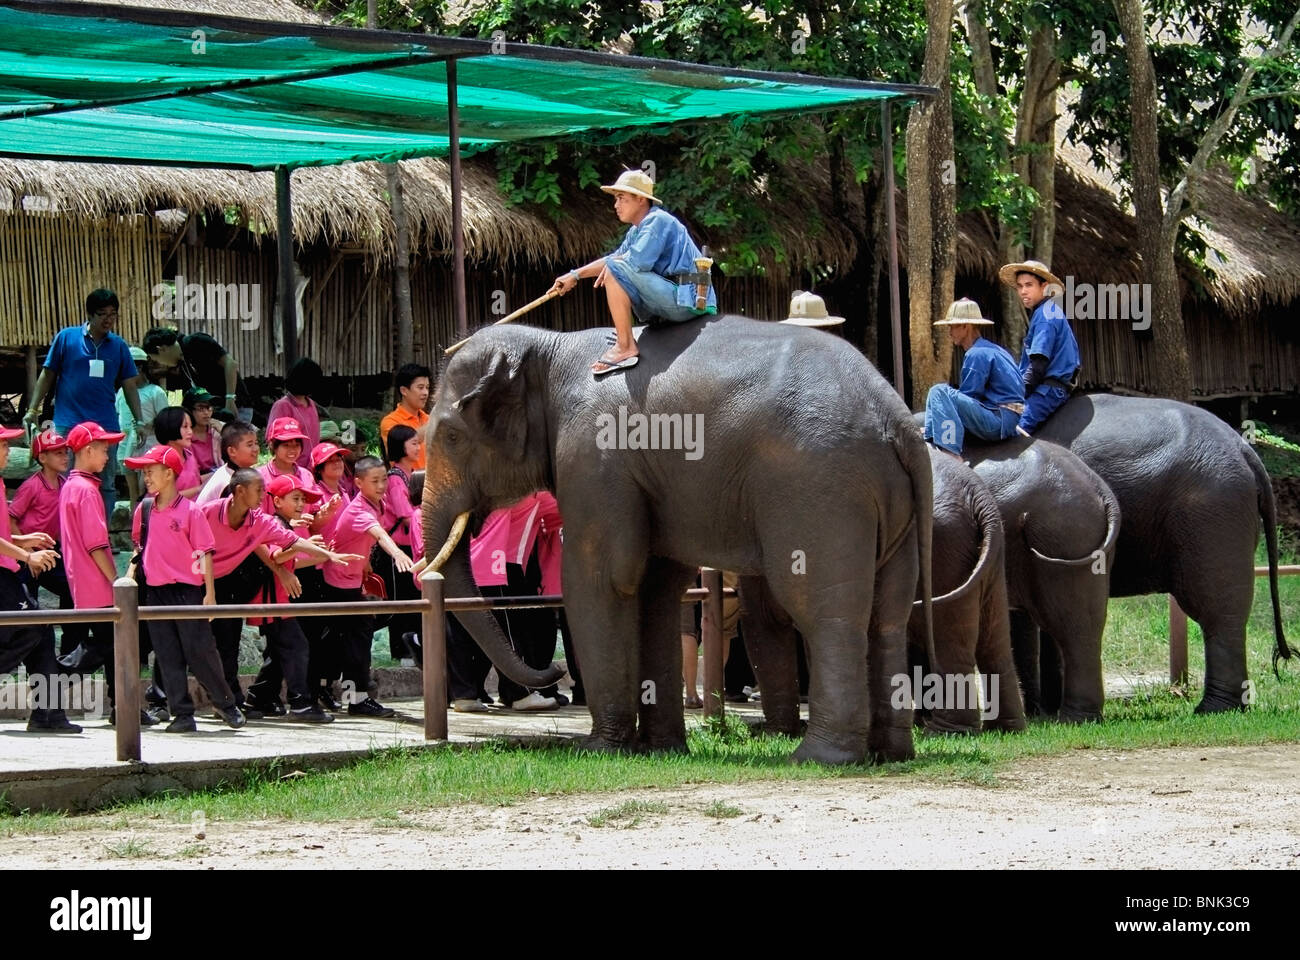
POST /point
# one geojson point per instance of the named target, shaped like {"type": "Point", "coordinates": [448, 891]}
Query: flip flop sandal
{"type": "Point", "coordinates": [610, 366]}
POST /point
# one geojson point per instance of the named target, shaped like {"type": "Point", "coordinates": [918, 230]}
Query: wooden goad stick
{"type": "Point", "coordinates": [507, 318]}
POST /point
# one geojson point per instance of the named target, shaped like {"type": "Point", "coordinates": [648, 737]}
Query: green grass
{"type": "Point", "coordinates": [722, 811]}
{"type": "Point", "coordinates": [626, 815]}
{"type": "Point", "coordinates": [132, 848]}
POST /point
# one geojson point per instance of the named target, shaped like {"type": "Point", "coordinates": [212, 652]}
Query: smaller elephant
{"type": "Point", "coordinates": [971, 619]}
{"type": "Point", "coordinates": [1061, 522]}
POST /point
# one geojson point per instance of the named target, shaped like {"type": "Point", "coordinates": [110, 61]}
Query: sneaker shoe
{"type": "Point", "coordinates": [158, 713]}
{"type": "Point", "coordinates": [369, 707]}
{"type": "Point", "coordinates": [534, 701]}
{"type": "Point", "coordinates": [50, 721]}
{"type": "Point", "coordinates": [233, 716]}
{"type": "Point", "coordinates": [275, 708]}
{"type": "Point", "coordinates": [469, 706]}
{"type": "Point", "coordinates": [560, 699]}
{"type": "Point", "coordinates": [147, 719]}
{"type": "Point", "coordinates": [309, 714]}
{"type": "Point", "coordinates": [325, 697]}
{"type": "Point", "coordinates": [182, 724]}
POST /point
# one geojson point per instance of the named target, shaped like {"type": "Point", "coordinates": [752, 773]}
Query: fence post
{"type": "Point", "coordinates": [711, 637]}
{"type": "Point", "coordinates": [1177, 643]}
{"type": "Point", "coordinates": [433, 643]}
{"type": "Point", "coordinates": [126, 668]}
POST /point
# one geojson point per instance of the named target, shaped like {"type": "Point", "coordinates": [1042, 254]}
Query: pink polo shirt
{"type": "Point", "coordinates": [6, 563]}
{"type": "Point", "coordinates": [351, 535]}
{"type": "Point", "coordinates": [397, 508]}
{"type": "Point", "coordinates": [189, 477]}
{"type": "Point", "coordinates": [84, 526]}
{"type": "Point", "coordinates": [35, 507]}
{"type": "Point", "coordinates": [308, 418]}
{"type": "Point", "coordinates": [232, 546]}
{"type": "Point", "coordinates": [205, 451]}
{"type": "Point", "coordinates": [269, 473]}
{"type": "Point", "coordinates": [179, 535]}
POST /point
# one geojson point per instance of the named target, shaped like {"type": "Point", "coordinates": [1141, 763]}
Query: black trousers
{"type": "Point", "coordinates": [94, 651]}
{"type": "Point", "coordinates": [31, 646]}
{"type": "Point", "coordinates": [467, 665]}
{"type": "Point", "coordinates": [241, 585]}
{"type": "Point", "coordinates": [283, 663]}
{"type": "Point", "coordinates": [55, 580]}
{"type": "Point", "coordinates": [353, 636]}
{"type": "Point", "coordinates": [179, 644]}
{"type": "Point", "coordinates": [401, 586]}
{"type": "Point", "coordinates": [324, 660]}
{"type": "Point", "coordinates": [531, 632]}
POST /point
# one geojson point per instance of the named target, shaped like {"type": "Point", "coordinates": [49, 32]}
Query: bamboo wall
{"type": "Point", "coordinates": [49, 263]}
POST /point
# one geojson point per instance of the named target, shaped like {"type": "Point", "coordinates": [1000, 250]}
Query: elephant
{"type": "Point", "coordinates": [1062, 523]}
{"type": "Point", "coordinates": [768, 450]}
{"type": "Point", "coordinates": [1193, 493]}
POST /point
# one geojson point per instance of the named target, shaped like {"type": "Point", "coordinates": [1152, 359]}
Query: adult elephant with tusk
{"type": "Point", "coordinates": [773, 451]}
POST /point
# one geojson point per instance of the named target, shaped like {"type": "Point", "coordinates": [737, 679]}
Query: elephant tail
{"type": "Point", "coordinates": [1107, 548]}
{"type": "Point", "coordinates": [989, 519]}
{"type": "Point", "coordinates": [1268, 510]}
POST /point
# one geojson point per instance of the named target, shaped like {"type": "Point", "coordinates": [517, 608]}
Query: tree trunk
{"type": "Point", "coordinates": [931, 354]}
{"type": "Point", "coordinates": [1156, 244]}
{"type": "Point", "coordinates": [943, 210]}
{"type": "Point", "coordinates": [1042, 161]}
{"type": "Point", "coordinates": [873, 206]}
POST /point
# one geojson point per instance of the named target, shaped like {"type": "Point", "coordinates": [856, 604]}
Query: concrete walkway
{"type": "Point", "coordinates": [78, 771]}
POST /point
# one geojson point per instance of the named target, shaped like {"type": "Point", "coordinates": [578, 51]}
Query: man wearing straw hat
{"type": "Point", "coordinates": [1049, 358]}
{"type": "Point", "coordinates": [654, 273]}
{"type": "Point", "coordinates": [991, 397]}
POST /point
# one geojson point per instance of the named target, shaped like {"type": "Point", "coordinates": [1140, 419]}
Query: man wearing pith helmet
{"type": "Point", "coordinates": [656, 272]}
{"type": "Point", "coordinates": [1049, 358]}
{"type": "Point", "coordinates": [989, 401]}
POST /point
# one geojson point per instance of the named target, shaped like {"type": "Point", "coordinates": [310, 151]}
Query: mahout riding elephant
{"type": "Point", "coordinates": [1193, 493]}
{"type": "Point", "coordinates": [1061, 522]}
{"type": "Point", "coordinates": [772, 451]}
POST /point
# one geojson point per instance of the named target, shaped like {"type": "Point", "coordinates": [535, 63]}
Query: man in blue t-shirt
{"type": "Point", "coordinates": [990, 399]}
{"type": "Point", "coordinates": [84, 366]}
{"type": "Point", "coordinates": [1049, 358]}
{"type": "Point", "coordinates": [643, 275]}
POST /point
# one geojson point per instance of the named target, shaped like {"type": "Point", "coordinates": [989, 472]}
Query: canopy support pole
{"type": "Point", "coordinates": [457, 224]}
{"type": "Point", "coordinates": [895, 311]}
{"type": "Point", "coordinates": [288, 282]}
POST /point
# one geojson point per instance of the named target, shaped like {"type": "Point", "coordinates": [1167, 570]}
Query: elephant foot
{"type": "Point", "coordinates": [595, 744]}
{"type": "Point", "coordinates": [952, 721]}
{"type": "Point", "coordinates": [830, 754]}
{"type": "Point", "coordinates": [891, 744]}
{"type": "Point", "coordinates": [1007, 725]}
{"type": "Point", "coordinates": [1218, 701]}
{"type": "Point", "coordinates": [1077, 715]}
{"type": "Point", "coordinates": [664, 745]}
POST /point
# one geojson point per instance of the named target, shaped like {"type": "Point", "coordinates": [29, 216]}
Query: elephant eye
{"type": "Point", "coordinates": [451, 436]}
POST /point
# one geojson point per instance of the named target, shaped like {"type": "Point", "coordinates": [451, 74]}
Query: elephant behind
{"type": "Point", "coordinates": [772, 451]}
{"type": "Point", "coordinates": [1193, 494]}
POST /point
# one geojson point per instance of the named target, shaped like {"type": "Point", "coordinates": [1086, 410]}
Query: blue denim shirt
{"type": "Point", "coordinates": [1050, 336]}
{"type": "Point", "coordinates": [989, 375]}
{"type": "Point", "coordinates": [660, 244]}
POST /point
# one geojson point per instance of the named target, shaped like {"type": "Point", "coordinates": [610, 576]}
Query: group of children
{"type": "Point", "coordinates": [282, 533]}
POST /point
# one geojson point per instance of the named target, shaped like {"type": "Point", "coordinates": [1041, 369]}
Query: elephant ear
{"type": "Point", "coordinates": [495, 408]}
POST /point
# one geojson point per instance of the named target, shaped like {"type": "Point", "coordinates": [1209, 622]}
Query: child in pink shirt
{"type": "Point", "coordinates": [358, 529]}
{"type": "Point", "coordinates": [285, 438]}
{"type": "Point", "coordinates": [303, 380]}
{"type": "Point", "coordinates": [34, 514]}
{"type": "Point", "coordinates": [31, 646]}
{"type": "Point", "coordinates": [402, 451]}
{"type": "Point", "coordinates": [177, 545]}
{"type": "Point", "coordinates": [87, 555]}
{"type": "Point", "coordinates": [173, 428]}
{"type": "Point", "coordinates": [206, 438]}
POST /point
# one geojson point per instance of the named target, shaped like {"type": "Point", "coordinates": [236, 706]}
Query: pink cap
{"type": "Point", "coordinates": [84, 434]}
{"type": "Point", "coordinates": [163, 454]}
{"type": "Point", "coordinates": [284, 428]}
{"type": "Point", "coordinates": [323, 451]}
{"type": "Point", "coordinates": [48, 442]}
{"type": "Point", "coordinates": [286, 483]}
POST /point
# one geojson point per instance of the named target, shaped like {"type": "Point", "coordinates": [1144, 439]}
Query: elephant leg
{"type": "Point", "coordinates": [1073, 629]}
{"type": "Point", "coordinates": [1049, 672]}
{"type": "Point", "coordinates": [662, 723]}
{"type": "Point", "coordinates": [956, 629]}
{"type": "Point", "coordinates": [890, 735]}
{"type": "Point", "coordinates": [1004, 709]}
{"type": "Point", "coordinates": [1221, 611]}
{"type": "Point", "coordinates": [771, 642]}
{"type": "Point", "coordinates": [1025, 649]}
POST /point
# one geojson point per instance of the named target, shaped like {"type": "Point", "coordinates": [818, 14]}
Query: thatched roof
{"type": "Point", "coordinates": [1259, 247]}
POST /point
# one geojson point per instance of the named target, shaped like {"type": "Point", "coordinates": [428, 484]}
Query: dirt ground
{"type": "Point", "coordinates": [1219, 807]}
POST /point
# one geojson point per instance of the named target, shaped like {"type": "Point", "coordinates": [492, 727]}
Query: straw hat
{"type": "Point", "coordinates": [635, 182]}
{"type": "Point", "coordinates": [809, 310]}
{"type": "Point", "coordinates": [964, 310]}
{"type": "Point", "coordinates": [1039, 269]}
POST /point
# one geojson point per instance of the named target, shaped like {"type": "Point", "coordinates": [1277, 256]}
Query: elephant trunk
{"type": "Point", "coordinates": [482, 626]}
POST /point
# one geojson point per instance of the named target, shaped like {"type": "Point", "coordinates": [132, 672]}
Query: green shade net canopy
{"type": "Point", "coordinates": [122, 84]}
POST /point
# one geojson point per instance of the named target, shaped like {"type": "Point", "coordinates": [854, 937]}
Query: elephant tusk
{"type": "Point", "coordinates": [453, 538]}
